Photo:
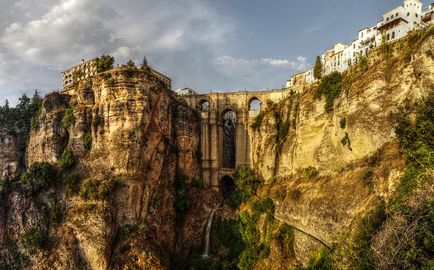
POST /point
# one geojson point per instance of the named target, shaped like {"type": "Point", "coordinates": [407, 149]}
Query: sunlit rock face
{"type": "Point", "coordinates": [339, 145]}
{"type": "Point", "coordinates": [142, 137]}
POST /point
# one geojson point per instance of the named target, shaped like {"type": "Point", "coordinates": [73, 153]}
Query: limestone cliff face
{"type": "Point", "coordinates": [141, 136]}
{"type": "Point", "coordinates": [353, 142]}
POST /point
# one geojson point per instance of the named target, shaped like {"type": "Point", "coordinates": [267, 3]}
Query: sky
{"type": "Point", "coordinates": [206, 45]}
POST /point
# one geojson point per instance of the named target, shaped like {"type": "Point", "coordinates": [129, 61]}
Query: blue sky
{"type": "Point", "coordinates": [203, 44]}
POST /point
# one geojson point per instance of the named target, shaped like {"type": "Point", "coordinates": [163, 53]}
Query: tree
{"type": "Point", "coordinates": [317, 71]}
{"type": "Point", "coordinates": [145, 62]}
{"type": "Point", "coordinates": [104, 63]}
{"type": "Point", "coordinates": [131, 64]}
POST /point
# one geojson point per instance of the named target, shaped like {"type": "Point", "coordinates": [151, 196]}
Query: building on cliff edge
{"type": "Point", "coordinates": [394, 25]}
{"type": "Point", "coordinates": [87, 69]}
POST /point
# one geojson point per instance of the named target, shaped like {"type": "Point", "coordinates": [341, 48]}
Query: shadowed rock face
{"type": "Point", "coordinates": [141, 136]}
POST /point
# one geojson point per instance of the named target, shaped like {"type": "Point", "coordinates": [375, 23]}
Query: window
{"type": "Point", "coordinates": [408, 14]}
{"type": "Point", "coordinates": [387, 19]}
{"type": "Point", "coordinates": [388, 37]}
{"type": "Point", "coordinates": [417, 15]}
{"type": "Point", "coordinates": [396, 14]}
{"type": "Point", "coordinates": [393, 35]}
{"type": "Point", "coordinates": [391, 17]}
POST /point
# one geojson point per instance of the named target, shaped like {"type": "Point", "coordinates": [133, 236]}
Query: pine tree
{"type": "Point", "coordinates": [317, 71]}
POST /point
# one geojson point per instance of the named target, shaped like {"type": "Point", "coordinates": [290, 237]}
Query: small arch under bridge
{"type": "Point", "coordinates": [225, 128]}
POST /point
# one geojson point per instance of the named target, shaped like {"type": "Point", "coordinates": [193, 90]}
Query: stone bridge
{"type": "Point", "coordinates": [225, 129]}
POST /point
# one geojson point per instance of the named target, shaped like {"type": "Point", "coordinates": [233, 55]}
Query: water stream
{"type": "Point", "coordinates": [205, 253]}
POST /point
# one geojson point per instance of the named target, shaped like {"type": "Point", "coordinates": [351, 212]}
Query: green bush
{"type": "Point", "coordinates": [295, 194]}
{"type": "Point", "coordinates": [198, 183]}
{"type": "Point", "coordinates": [87, 142]}
{"type": "Point", "coordinates": [343, 123]}
{"type": "Point", "coordinates": [246, 182]}
{"type": "Point", "coordinates": [68, 118]}
{"type": "Point", "coordinates": [263, 206]}
{"type": "Point", "coordinates": [363, 64]}
{"type": "Point", "coordinates": [39, 175]}
{"type": "Point", "coordinates": [67, 159]}
{"type": "Point", "coordinates": [308, 172]}
{"type": "Point", "coordinates": [98, 190]}
{"type": "Point", "coordinates": [258, 121]}
{"type": "Point", "coordinates": [285, 236]}
{"type": "Point", "coordinates": [33, 238]}
{"type": "Point", "coordinates": [249, 257]}
{"type": "Point", "coordinates": [417, 138]}
{"type": "Point", "coordinates": [320, 260]}
{"type": "Point", "coordinates": [368, 177]}
{"type": "Point", "coordinates": [330, 87]}
{"type": "Point", "coordinates": [367, 229]}
{"type": "Point", "coordinates": [182, 202]}
{"type": "Point", "coordinates": [226, 240]}
{"type": "Point", "coordinates": [72, 184]}
{"type": "Point", "coordinates": [104, 63]}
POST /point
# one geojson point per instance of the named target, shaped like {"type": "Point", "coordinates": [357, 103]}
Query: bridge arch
{"type": "Point", "coordinates": [226, 186]}
{"type": "Point", "coordinates": [254, 104]}
{"type": "Point", "coordinates": [203, 105]}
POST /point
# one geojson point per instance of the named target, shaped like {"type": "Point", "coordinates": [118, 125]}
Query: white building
{"type": "Point", "coordinates": [395, 24]}
{"type": "Point", "coordinates": [185, 92]}
{"type": "Point", "coordinates": [399, 21]}
{"type": "Point", "coordinates": [310, 78]}
{"type": "Point", "coordinates": [333, 60]}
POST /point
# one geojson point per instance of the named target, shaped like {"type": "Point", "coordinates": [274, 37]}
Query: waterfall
{"type": "Point", "coordinates": [207, 236]}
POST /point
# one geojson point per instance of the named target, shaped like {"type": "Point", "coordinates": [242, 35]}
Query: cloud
{"type": "Point", "coordinates": [254, 72]}
{"type": "Point", "coordinates": [300, 64]}
{"type": "Point", "coordinates": [70, 28]}
{"type": "Point", "coordinates": [39, 38]}
{"type": "Point", "coordinates": [231, 61]}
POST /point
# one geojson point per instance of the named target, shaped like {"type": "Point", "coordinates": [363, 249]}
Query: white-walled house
{"type": "Point", "coordinates": [399, 21]}
{"type": "Point", "coordinates": [334, 59]}
{"type": "Point", "coordinates": [310, 78]}
{"type": "Point", "coordinates": [395, 24]}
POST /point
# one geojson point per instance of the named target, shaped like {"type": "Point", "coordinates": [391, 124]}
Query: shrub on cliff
{"type": "Point", "coordinates": [87, 142]}
{"type": "Point", "coordinates": [68, 118]}
{"type": "Point", "coordinates": [34, 239]}
{"type": "Point", "coordinates": [104, 63]}
{"type": "Point", "coordinates": [246, 181]}
{"type": "Point", "coordinates": [182, 202]}
{"type": "Point", "coordinates": [67, 159]}
{"type": "Point", "coordinates": [72, 184]}
{"type": "Point", "coordinates": [98, 190]}
{"type": "Point", "coordinates": [258, 121]}
{"type": "Point", "coordinates": [330, 87]}
{"type": "Point", "coordinates": [39, 175]}
{"type": "Point", "coordinates": [226, 241]}
{"type": "Point", "coordinates": [285, 236]}
{"type": "Point", "coordinates": [308, 172]}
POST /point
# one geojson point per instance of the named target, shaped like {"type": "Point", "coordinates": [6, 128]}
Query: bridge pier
{"type": "Point", "coordinates": [212, 108]}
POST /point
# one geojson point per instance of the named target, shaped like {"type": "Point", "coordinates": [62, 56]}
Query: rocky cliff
{"type": "Point", "coordinates": [109, 163]}
{"type": "Point", "coordinates": [327, 166]}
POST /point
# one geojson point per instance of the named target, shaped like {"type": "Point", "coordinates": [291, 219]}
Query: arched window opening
{"type": "Point", "coordinates": [388, 37]}
{"type": "Point", "coordinates": [204, 106]}
{"type": "Point", "coordinates": [393, 35]}
{"type": "Point", "coordinates": [255, 105]}
{"type": "Point", "coordinates": [229, 120]}
{"type": "Point", "coordinates": [226, 186]}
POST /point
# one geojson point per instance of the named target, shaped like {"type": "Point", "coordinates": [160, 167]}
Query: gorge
{"type": "Point", "coordinates": [121, 173]}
